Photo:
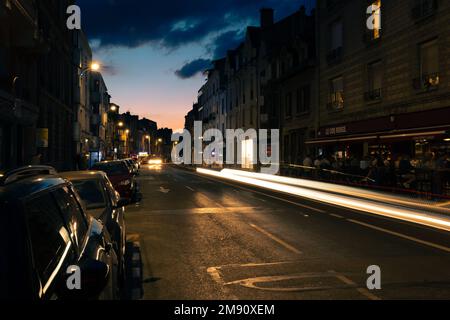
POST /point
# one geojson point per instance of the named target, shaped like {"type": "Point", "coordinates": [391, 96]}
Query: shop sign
{"type": "Point", "coordinates": [335, 131]}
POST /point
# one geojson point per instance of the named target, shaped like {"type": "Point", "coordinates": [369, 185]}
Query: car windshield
{"type": "Point", "coordinates": [111, 168]}
{"type": "Point", "coordinates": [91, 193]}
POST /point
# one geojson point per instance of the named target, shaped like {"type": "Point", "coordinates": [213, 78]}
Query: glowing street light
{"type": "Point", "coordinates": [113, 108]}
{"type": "Point", "coordinates": [95, 67]}
{"type": "Point", "coordinates": [120, 124]}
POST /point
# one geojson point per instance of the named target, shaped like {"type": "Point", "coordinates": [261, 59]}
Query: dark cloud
{"type": "Point", "coordinates": [193, 68]}
{"type": "Point", "coordinates": [170, 23]}
{"type": "Point", "coordinates": [174, 23]}
{"type": "Point", "coordinates": [226, 41]}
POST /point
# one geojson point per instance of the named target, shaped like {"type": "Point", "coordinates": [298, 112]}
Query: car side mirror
{"type": "Point", "coordinates": [94, 276]}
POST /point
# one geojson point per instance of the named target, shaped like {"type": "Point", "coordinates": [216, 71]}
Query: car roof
{"type": "Point", "coordinates": [83, 175]}
{"type": "Point", "coordinates": [108, 162]}
{"type": "Point", "coordinates": [30, 186]}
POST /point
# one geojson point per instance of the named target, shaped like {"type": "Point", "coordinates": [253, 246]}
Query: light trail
{"type": "Point", "coordinates": [344, 190]}
{"type": "Point", "coordinates": [411, 215]}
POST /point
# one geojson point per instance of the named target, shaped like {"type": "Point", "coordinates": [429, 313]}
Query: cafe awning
{"type": "Point", "coordinates": [385, 137]}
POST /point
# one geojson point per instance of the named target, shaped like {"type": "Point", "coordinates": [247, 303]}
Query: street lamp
{"type": "Point", "coordinates": [95, 66]}
{"type": "Point", "coordinates": [120, 124]}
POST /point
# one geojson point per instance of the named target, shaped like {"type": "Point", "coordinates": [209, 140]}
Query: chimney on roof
{"type": "Point", "coordinates": [266, 17]}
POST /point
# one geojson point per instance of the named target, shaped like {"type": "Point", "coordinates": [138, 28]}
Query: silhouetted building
{"type": "Point", "coordinates": [37, 77]}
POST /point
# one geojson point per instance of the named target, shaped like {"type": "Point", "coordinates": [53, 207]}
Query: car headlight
{"type": "Point", "coordinates": [125, 183]}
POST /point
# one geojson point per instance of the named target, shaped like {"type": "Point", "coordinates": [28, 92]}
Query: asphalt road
{"type": "Point", "coordinates": [200, 238]}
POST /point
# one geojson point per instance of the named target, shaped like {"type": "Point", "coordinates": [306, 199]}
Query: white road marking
{"type": "Point", "coordinates": [276, 239]}
{"type": "Point", "coordinates": [349, 282]}
{"type": "Point", "coordinates": [214, 272]}
{"type": "Point", "coordinates": [164, 190]}
{"type": "Point", "coordinates": [336, 216]}
{"type": "Point", "coordinates": [190, 188]}
{"type": "Point", "coordinates": [400, 235]}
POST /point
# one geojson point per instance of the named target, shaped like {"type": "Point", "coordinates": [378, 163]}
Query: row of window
{"type": "Point", "coordinates": [428, 76]}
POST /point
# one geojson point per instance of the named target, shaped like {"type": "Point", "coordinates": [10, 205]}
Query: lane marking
{"type": "Point", "coordinates": [276, 239]}
{"type": "Point", "coordinates": [336, 216]}
{"type": "Point", "coordinates": [214, 273]}
{"type": "Point", "coordinates": [190, 188]}
{"type": "Point", "coordinates": [252, 283]}
{"type": "Point", "coordinates": [262, 264]}
{"type": "Point", "coordinates": [164, 190]}
{"type": "Point", "coordinates": [349, 282]}
{"type": "Point", "coordinates": [400, 235]}
{"type": "Point", "coordinates": [267, 195]}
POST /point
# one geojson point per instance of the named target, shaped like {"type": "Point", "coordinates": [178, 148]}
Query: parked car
{"type": "Point", "coordinates": [103, 202]}
{"type": "Point", "coordinates": [121, 177]}
{"type": "Point", "coordinates": [44, 231]}
{"type": "Point", "coordinates": [132, 165]}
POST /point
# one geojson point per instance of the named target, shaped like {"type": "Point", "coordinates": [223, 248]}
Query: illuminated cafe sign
{"type": "Point", "coordinates": [336, 130]}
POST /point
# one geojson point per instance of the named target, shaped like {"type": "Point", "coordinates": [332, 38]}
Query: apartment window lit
{"type": "Point", "coordinates": [375, 73]}
{"type": "Point", "coordinates": [429, 65]}
{"type": "Point", "coordinates": [337, 93]}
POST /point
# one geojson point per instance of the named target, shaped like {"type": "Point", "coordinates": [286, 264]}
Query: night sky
{"type": "Point", "coordinates": [153, 51]}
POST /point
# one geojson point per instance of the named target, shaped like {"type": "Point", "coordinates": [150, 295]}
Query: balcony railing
{"type": "Point", "coordinates": [336, 101]}
{"type": "Point", "coordinates": [334, 56]}
{"type": "Point", "coordinates": [424, 9]}
{"type": "Point", "coordinates": [373, 95]}
{"type": "Point", "coordinates": [427, 82]}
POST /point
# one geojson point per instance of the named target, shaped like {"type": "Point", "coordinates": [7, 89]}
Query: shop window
{"type": "Point", "coordinates": [428, 66]}
{"type": "Point", "coordinates": [247, 154]}
{"type": "Point", "coordinates": [336, 100]}
{"type": "Point", "coordinates": [375, 73]}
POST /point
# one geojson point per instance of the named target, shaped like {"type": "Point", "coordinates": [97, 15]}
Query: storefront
{"type": "Point", "coordinates": [414, 135]}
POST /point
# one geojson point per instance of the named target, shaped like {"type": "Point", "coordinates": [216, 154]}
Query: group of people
{"type": "Point", "coordinates": [384, 170]}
